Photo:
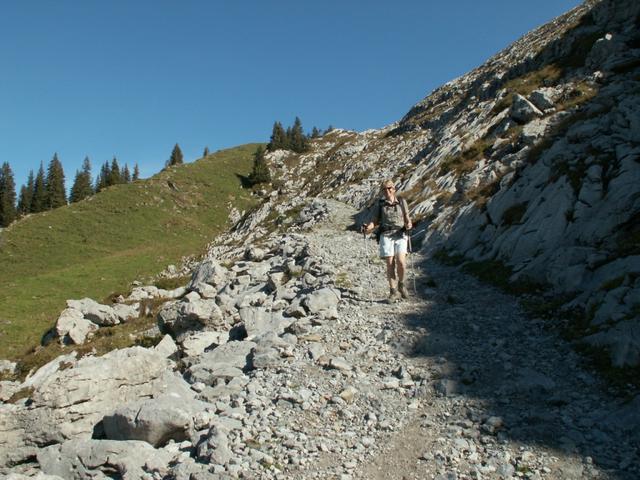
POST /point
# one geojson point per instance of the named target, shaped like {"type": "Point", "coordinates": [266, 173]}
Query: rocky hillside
{"type": "Point", "coordinates": [529, 164]}
{"type": "Point", "coordinates": [279, 359]}
{"type": "Point", "coordinates": [288, 364]}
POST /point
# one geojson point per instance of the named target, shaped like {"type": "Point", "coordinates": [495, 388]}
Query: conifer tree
{"type": "Point", "coordinates": [176, 156]}
{"type": "Point", "coordinates": [278, 138]}
{"type": "Point", "coordinates": [86, 170]}
{"type": "Point", "coordinates": [26, 195]}
{"type": "Point", "coordinates": [260, 172]}
{"type": "Point", "coordinates": [206, 152]}
{"type": "Point", "coordinates": [8, 211]}
{"type": "Point", "coordinates": [125, 174]}
{"type": "Point", "coordinates": [136, 173]}
{"type": "Point", "coordinates": [56, 194]}
{"type": "Point", "coordinates": [315, 133]}
{"type": "Point", "coordinates": [298, 140]}
{"type": "Point", "coordinates": [82, 188]}
{"type": "Point", "coordinates": [103, 177]}
{"type": "Point", "coordinates": [287, 137]}
{"type": "Point", "coordinates": [39, 199]}
{"type": "Point", "coordinates": [114, 173]}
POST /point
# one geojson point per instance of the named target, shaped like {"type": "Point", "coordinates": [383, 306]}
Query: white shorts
{"type": "Point", "coordinates": [392, 245]}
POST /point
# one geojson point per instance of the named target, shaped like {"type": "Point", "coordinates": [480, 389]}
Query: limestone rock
{"type": "Point", "coordinates": [522, 110]}
{"type": "Point", "coordinates": [99, 314]}
{"type": "Point", "coordinates": [72, 327]}
{"type": "Point", "coordinates": [198, 342]}
{"type": "Point", "coordinates": [258, 320]}
{"type": "Point", "coordinates": [155, 421]}
{"type": "Point", "coordinates": [226, 361]}
{"type": "Point", "coordinates": [81, 459]}
{"type": "Point", "coordinates": [84, 390]}
{"type": "Point", "coordinates": [323, 302]}
{"type": "Point", "coordinates": [209, 271]}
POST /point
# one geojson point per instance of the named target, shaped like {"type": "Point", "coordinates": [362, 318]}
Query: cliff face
{"type": "Point", "coordinates": [531, 160]}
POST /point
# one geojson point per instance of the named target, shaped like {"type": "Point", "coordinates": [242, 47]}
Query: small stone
{"type": "Point", "coordinates": [348, 394]}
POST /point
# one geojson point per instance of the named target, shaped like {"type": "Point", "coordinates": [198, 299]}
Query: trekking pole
{"type": "Point", "coordinates": [368, 259]}
{"type": "Point", "coordinates": [413, 272]}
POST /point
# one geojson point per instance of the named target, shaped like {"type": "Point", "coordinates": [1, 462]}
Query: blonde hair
{"type": "Point", "coordinates": [387, 183]}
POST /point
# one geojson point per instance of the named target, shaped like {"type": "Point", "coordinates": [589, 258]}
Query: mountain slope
{"type": "Point", "coordinates": [528, 168]}
{"type": "Point", "coordinates": [99, 246]}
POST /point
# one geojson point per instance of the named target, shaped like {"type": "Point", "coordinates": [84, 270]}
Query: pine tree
{"type": "Point", "coordinates": [278, 138]}
{"type": "Point", "coordinates": [287, 136]}
{"type": "Point", "coordinates": [102, 180]}
{"type": "Point", "coordinates": [136, 173]}
{"type": "Point", "coordinates": [206, 152]}
{"type": "Point", "coordinates": [298, 140]}
{"type": "Point", "coordinates": [260, 172]}
{"type": "Point", "coordinates": [114, 173]}
{"type": "Point", "coordinates": [315, 133]}
{"type": "Point", "coordinates": [125, 174]}
{"type": "Point", "coordinates": [39, 199]}
{"type": "Point", "coordinates": [56, 194]}
{"type": "Point", "coordinates": [176, 156]}
{"type": "Point", "coordinates": [8, 211]}
{"type": "Point", "coordinates": [26, 195]}
{"type": "Point", "coordinates": [86, 171]}
{"type": "Point", "coordinates": [82, 184]}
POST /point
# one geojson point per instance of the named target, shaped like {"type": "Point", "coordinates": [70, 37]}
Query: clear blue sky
{"type": "Point", "coordinates": [131, 78]}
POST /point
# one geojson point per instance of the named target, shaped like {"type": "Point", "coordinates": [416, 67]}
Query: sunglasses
{"type": "Point", "coordinates": [389, 188]}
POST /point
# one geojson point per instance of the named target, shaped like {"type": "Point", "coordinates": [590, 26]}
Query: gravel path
{"type": "Point", "coordinates": [458, 382]}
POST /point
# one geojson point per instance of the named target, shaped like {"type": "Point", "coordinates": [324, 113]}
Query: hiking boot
{"type": "Point", "coordinates": [403, 290]}
{"type": "Point", "coordinates": [394, 296]}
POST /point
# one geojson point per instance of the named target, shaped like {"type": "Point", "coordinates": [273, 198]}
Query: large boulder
{"type": "Point", "coordinates": [104, 459]}
{"type": "Point", "coordinates": [258, 320]}
{"type": "Point", "coordinates": [72, 327]}
{"type": "Point", "coordinates": [155, 421]}
{"type": "Point", "coordinates": [224, 362]}
{"type": "Point", "coordinates": [68, 398]}
{"type": "Point", "coordinates": [211, 272]}
{"type": "Point", "coordinates": [102, 315]}
{"type": "Point", "coordinates": [197, 343]}
{"type": "Point", "coordinates": [323, 302]}
{"type": "Point", "coordinates": [522, 110]}
{"type": "Point", "coordinates": [192, 313]}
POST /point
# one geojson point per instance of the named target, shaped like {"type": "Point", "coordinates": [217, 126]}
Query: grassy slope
{"type": "Point", "coordinates": [99, 246]}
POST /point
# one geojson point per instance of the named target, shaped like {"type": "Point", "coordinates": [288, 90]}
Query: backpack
{"type": "Point", "coordinates": [402, 203]}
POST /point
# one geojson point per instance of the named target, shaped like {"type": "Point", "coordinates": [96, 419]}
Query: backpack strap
{"type": "Point", "coordinates": [403, 207]}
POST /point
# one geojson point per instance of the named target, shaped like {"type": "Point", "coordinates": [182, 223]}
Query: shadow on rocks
{"type": "Point", "coordinates": [517, 382]}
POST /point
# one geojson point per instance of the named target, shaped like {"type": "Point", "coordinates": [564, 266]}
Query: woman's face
{"type": "Point", "coordinates": [389, 191]}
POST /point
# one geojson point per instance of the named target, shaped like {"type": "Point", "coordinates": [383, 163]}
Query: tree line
{"type": "Point", "coordinates": [293, 138]}
{"type": "Point", "coordinates": [47, 191]}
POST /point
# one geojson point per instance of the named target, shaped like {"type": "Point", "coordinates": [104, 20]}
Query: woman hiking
{"type": "Point", "coordinates": [391, 213]}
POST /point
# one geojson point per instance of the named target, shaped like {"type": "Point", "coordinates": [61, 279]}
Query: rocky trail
{"type": "Point", "coordinates": [290, 365]}
{"type": "Point", "coordinates": [460, 382]}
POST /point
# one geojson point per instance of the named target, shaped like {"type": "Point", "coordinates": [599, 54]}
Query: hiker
{"type": "Point", "coordinates": [392, 215]}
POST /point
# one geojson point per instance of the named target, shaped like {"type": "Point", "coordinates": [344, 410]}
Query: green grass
{"type": "Point", "coordinates": [99, 246]}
